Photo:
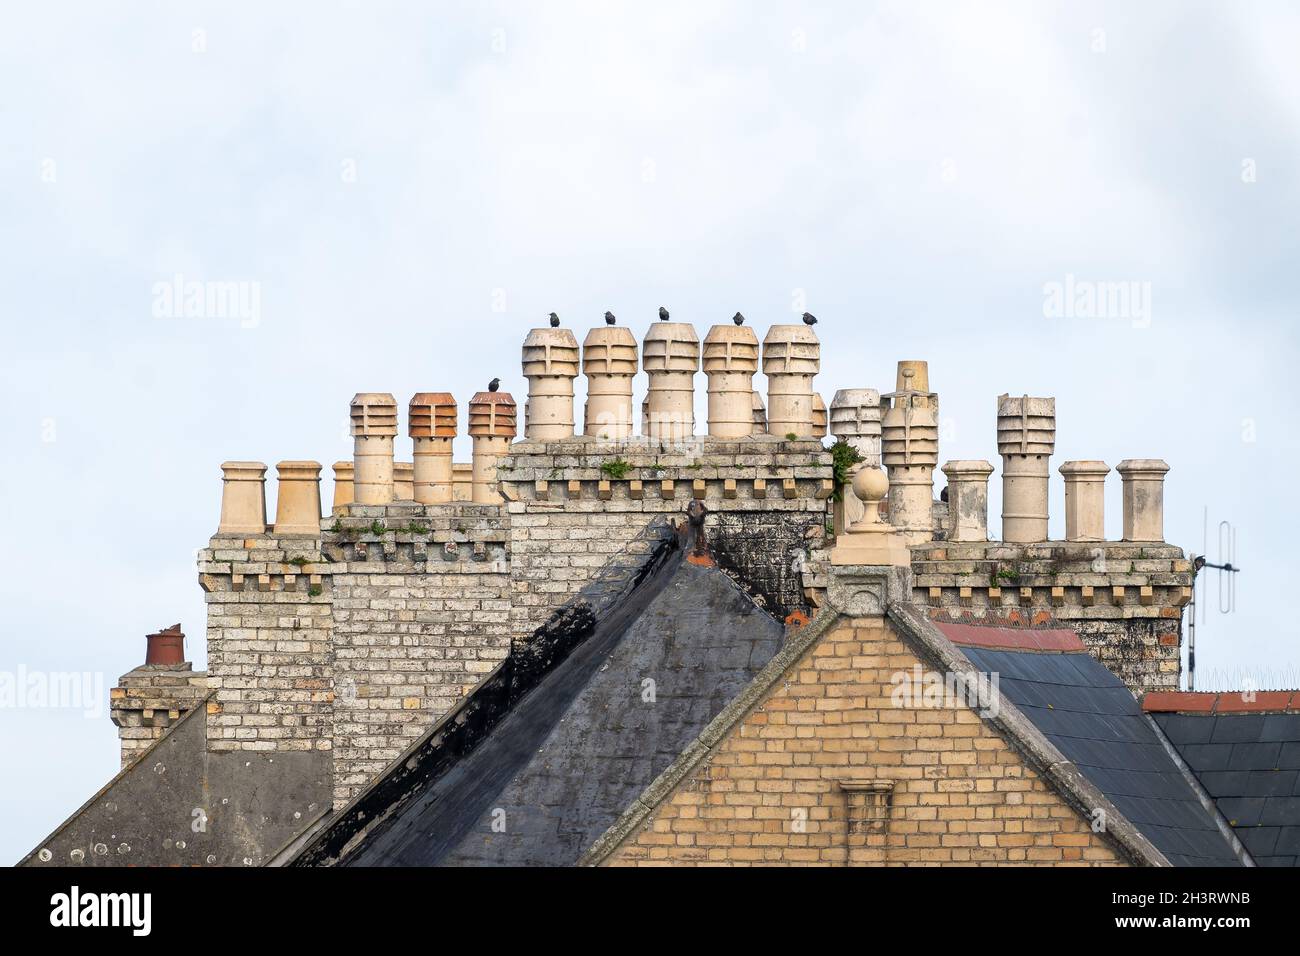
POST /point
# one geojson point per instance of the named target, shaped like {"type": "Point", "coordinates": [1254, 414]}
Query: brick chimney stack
{"type": "Point", "coordinates": [154, 696]}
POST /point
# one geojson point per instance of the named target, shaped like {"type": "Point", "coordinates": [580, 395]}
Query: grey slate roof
{"type": "Point", "coordinates": [578, 750]}
{"type": "Point", "coordinates": [1250, 765]}
{"type": "Point", "coordinates": [1093, 719]}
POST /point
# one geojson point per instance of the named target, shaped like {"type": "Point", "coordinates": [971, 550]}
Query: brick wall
{"type": "Point", "coordinates": [149, 700]}
{"type": "Point", "coordinates": [1125, 600]}
{"type": "Point", "coordinates": [421, 613]}
{"type": "Point", "coordinates": [778, 788]}
{"type": "Point", "coordinates": [268, 631]}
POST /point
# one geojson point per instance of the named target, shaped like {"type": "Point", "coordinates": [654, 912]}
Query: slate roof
{"type": "Point", "coordinates": [1088, 714]}
{"type": "Point", "coordinates": [578, 750]}
{"type": "Point", "coordinates": [1248, 760]}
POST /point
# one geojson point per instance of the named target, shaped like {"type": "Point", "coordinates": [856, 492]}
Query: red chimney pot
{"type": "Point", "coordinates": [166, 647]}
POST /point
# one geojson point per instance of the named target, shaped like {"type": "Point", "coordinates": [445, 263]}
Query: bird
{"type": "Point", "coordinates": [809, 319]}
{"type": "Point", "coordinates": [609, 318]}
{"type": "Point", "coordinates": [663, 314]}
{"type": "Point", "coordinates": [494, 384]}
{"type": "Point", "coordinates": [738, 319]}
{"type": "Point", "coordinates": [555, 321]}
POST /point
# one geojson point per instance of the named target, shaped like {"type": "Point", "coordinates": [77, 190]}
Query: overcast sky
{"type": "Point", "coordinates": [407, 188]}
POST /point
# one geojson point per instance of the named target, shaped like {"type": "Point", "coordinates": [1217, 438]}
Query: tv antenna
{"type": "Point", "coordinates": [1227, 583]}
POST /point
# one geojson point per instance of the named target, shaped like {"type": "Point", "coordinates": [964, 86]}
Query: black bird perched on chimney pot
{"type": "Point", "coordinates": [809, 319]}
{"type": "Point", "coordinates": [609, 318]}
{"type": "Point", "coordinates": [663, 314]}
{"type": "Point", "coordinates": [738, 319]}
{"type": "Point", "coordinates": [555, 321]}
{"type": "Point", "coordinates": [494, 384]}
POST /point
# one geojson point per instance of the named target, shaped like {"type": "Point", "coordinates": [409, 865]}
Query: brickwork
{"type": "Point", "coordinates": [268, 633]}
{"type": "Point", "coordinates": [1124, 600]}
{"type": "Point", "coordinates": [149, 700]}
{"type": "Point", "coordinates": [421, 602]}
{"type": "Point", "coordinates": [573, 504]}
{"type": "Point", "coordinates": [826, 770]}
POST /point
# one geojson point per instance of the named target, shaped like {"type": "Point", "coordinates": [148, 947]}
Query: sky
{"type": "Point", "coordinates": [399, 191]}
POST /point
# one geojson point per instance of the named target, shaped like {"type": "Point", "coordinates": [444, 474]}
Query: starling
{"type": "Point", "coordinates": [663, 314]}
{"type": "Point", "coordinates": [555, 321]}
{"type": "Point", "coordinates": [609, 318]}
{"type": "Point", "coordinates": [494, 384]}
{"type": "Point", "coordinates": [738, 319]}
{"type": "Point", "coordinates": [809, 319]}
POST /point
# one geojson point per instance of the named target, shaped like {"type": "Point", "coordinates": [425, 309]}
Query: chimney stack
{"type": "Point", "coordinates": [297, 501]}
{"type": "Point", "coordinates": [968, 500]}
{"type": "Point", "coordinates": [791, 360]}
{"type": "Point", "coordinates": [550, 365]}
{"type": "Point", "coordinates": [492, 425]}
{"type": "Point", "coordinates": [910, 451]}
{"type": "Point", "coordinates": [374, 426]}
{"type": "Point", "coordinates": [1085, 500]}
{"type": "Point", "coordinates": [671, 357]}
{"type": "Point", "coordinates": [431, 422]}
{"type": "Point", "coordinates": [1026, 438]}
{"type": "Point", "coordinates": [1144, 498]}
{"type": "Point", "coordinates": [730, 361]}
{"type": "Point", "coordinates": [609, 360]}
{"type": "Point", "coordinates": [243, 498]}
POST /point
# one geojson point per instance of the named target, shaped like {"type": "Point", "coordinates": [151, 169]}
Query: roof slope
{"type": "Point", "coordinates": [1249, 763]}
{"type": "Point", "coordinates": [1095, 722]}
{"type": "Point", "coordinates": [578, 750]}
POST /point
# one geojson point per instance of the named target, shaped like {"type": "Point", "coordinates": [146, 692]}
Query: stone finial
{"type": "Point", "coordinates": [1026, 439]}
{"type": "Point", "coordinates": [870, 541]}
{"type": "Point", "coordinates": [609, 360]}
{"type": "Point", "coordinates": [550, 365]}
{"type": "Point", "coordinates": [403, 481]}
{"type": "Point", "coordinates": [791, 360]}
{"type": "Point", "coordinates": [730, 361]}
{"type": "Point", "coordinates": [492, 425]}
{"type": "Point", "coordinates": [344, 489]}
{"type": "Point", "coordinates": [1085, 500]}
{"type": "Point", "coordinates": [968, 500]}
{"type": "Point", "coordinates": [671, 357]}
{"type": "Point", "coordinates": [1144, 498]}
{"type": "Point", "coordinates": [297, 502]}
{"type": "Point", "coordinates": [909, 448]}
{"type": "Point", "coordinates": [760, 413]}
{"type": "Point", "coordinates": [374, 426]}
{"type": "Point", "coordinates": [431, 422]}
{"type": "Point", "coordinates": [243, 498]}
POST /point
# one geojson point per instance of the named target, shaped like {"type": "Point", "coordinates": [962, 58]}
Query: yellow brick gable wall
{"type": "Point", "coordinates": [773, 792]}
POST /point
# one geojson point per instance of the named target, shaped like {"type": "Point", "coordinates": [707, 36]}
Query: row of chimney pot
{"type": "Point", "coordinates": [899, 430]}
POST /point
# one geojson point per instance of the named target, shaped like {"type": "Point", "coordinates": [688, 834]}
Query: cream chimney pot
{"type": "Point", "coordinates": [1144, 498]}
{"type": "Point", "coordinates": [671, 357]}
{"type": "Point", "coordinates": [297, 501]}
{"type": "Point", "coordinates": [403, 481]}
{"type": "Point", "coordinates": [431, 422]}
{"type": "Point", "coordinates": [492, 425]}
{"type": "Point", "coordinates": [374, 426]}
{"type": "Point", "coordinates": [730, 361]}
{"type": "Point", "coordinates": [1026, 439]}
{"type": "Point", "coordinates": [1085, 500]}
{"type": "Point", "coordinates": [344, 490]}
{"type": "Point", "coordinates": [243, 498]}
{"type": "Point", "coordinates": [855, 418]}
{"type": "Point", "coordinates": [910, 450]}
{"type": "Point", "coordinates": [791, 360]}
{"type": "Point", "coordinates": [968, 500]}
{"type": "Point", "coordinates": [550, 365]}
{"type": "Point", "coordinates": [609, 360]}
